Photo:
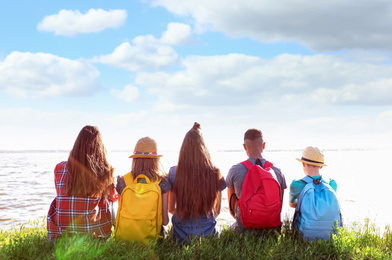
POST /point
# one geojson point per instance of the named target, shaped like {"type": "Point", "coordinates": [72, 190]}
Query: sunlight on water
{"type": "Point", "coordinates": [27, 181]}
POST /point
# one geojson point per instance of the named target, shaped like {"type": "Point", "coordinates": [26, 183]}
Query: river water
{"type": "Point", "coordinates": [363, 177]}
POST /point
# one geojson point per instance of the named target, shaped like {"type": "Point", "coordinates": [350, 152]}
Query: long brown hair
{"type": "Point", "coordinates": [196, 184]}
{"type": "Point", "coordinates": [147, 166]}
{"type": "Point", "coordinates": [88, 171]}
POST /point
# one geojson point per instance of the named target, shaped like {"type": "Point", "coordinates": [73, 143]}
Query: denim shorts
{"type": "Point", "coordinates": [183, 230]}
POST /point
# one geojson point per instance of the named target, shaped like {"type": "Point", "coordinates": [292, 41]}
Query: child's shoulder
{"type": "Point", "coordinates": [296, 186]}
{"type": "Point", "coordinates": [333, 184]}
{"type": "Point", "coordinates": [165, 185]}
{"type": "Point", "coordinates": [297, 182]}
{"type": "Point", "coordinates": [61, 168]}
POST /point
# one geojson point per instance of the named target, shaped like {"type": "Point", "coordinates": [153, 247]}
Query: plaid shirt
{"type": "Point", "coordinates": [77, 214]}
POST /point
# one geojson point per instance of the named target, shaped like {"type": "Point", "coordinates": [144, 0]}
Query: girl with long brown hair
{"type": "Point", "coordinates": [83, 185]}
{"type": "Point", "coordinates": [145, 165]}
{"type": "Point", "coordinates": [195, 198]}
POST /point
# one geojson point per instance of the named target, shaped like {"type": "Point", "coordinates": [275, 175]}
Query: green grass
{"type": "Point", "coordinates": [357, 241]}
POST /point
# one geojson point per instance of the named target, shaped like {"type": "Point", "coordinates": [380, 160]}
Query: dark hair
{"type": "Point", "coordinates": [196, 184]}
{"type": "Point", "coordinates": [88, 171]}
{"type": "Point", "coordinates": [253, 134]}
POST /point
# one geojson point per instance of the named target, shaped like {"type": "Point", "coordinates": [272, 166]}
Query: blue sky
{"type": "Point", "coordinates": [305, 73]}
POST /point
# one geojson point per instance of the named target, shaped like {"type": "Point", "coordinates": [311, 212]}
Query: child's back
{"type": "Point", "coordinates": [316, 205]}
{"type": "Point", "coordinates": [317, 210]}
{"type": "Point", "coordinates": [143, 206]}
{"type": "Point", "coordinates": [139, 214]}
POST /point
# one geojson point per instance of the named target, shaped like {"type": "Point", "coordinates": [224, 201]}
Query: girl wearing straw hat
{"type": "Point", "coordinates": [145, 165]}
{"type": "Point", "coordinates": [312, 162]}
{"type": "Point", "coordinates": [195, 197]}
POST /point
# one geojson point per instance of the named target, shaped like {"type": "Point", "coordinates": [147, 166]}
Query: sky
{"type": "Point", "coordinates": [304, 72]}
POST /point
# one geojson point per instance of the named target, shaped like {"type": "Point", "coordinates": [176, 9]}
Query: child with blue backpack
{"type": "Point", "coordinates": [315, 201]}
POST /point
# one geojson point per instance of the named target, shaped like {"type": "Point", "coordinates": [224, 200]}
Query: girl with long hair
{"type": "Point", "coordinates": [195, 198]}
{"type": "Point", "coordinates": [145, 163]}
{"type": "Point", "coordinates": [84, 185]}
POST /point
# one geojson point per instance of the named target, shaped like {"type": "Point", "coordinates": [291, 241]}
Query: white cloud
{"type": "Point", "coordinates": [295, 99]}
{"type": "Point", "coordinates": [147, 52]}
{"type": "Point", "coordinates": [129, 94]}
{"type": "Point", "coordinates": [386, 115]}
{"type": "Point", "coordinates": [222, 128]}
{"type": "Point", "coordinates": [238, 80]}
{"type": "Point", "coordinates": [70, 23]}
{"type": "Point", "coordinates": [378, 92]}
{"type": "Point", "coordinates": [176, 34]}
{"type": "Point", "coordinates": [46, 75]}
{"type": "Point", "coordinates": [330, 25]}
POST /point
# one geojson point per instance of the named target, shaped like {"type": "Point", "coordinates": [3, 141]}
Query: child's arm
{"type": "Point", "coordinates": [295, 189]}
{"type": "Point", "coordinates": [293, 205]}
{"type": "Point", "coordinates": [232, 200]}
{"type": "Point", "coordinates": [172, 202]}
{"type": "Point", "coordinates": [281, 196]}
{"type": "Point", "coordinates": [165, 214]}
{"type": "Point", "coordinates": [217, 207]}
{"type": "Point", "coordinates": [120, 184]}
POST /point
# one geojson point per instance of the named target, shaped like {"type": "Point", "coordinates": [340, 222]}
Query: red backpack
{"type": "Point", "coordinates": [260, 203]}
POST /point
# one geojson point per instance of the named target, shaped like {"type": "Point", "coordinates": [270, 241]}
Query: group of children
{"type": "Point", "coordinates": [191, 192]}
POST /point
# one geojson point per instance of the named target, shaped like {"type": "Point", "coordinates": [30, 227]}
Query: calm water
{"type": "Point", "coordinates": [363, 177]}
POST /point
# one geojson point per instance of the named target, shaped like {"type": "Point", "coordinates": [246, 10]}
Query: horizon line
{"type": "Point", "coordinates": [219, 150]}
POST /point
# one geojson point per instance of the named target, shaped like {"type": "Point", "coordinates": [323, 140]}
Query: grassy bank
{"type": "Point", "coordinates": [358, 241]}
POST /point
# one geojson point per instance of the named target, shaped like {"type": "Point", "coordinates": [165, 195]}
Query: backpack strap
{"type": "Point", "coordinates": [230, 200]}
{"type": "Point", "coordinates": [300, 199]}
{"type": "Point", "coordinates": [307, 179]}
{"type": "Point", "coordinates": [248, 164]}
{"type": "Point", "coordinates": [128, 178]}
{"type": "Point", "coordinates": [142, 176]}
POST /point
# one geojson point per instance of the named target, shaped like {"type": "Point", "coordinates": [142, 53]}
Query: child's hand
{"type": "Point", "coordinates": [113, 195]}
{"type": "Point", "coordinates": [120, 184]}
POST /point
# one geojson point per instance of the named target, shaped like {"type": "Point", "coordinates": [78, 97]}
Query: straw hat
{"type": "Point", "coordinates": [312, 156]}
{"type": "Point", "coordinates": [145, 148]}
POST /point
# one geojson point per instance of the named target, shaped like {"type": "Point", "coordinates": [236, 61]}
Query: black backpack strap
{"type": "Point", "coordinates": [231, 197]}
{"type": "Point", "coordinates": [308, 179]}
{"type": "Point", "coordinates": [258, 162]}
{"type": "Point", "coordinates": [315, 181]}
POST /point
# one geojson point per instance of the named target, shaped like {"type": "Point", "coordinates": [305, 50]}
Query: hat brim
{"type": "Point", "coordinates": [144, 156]}
{"type": "Point", "coordinates": [311, 163]}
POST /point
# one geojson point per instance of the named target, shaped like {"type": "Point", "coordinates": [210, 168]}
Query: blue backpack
{"type": "Point", "coordinates": [317, 210]}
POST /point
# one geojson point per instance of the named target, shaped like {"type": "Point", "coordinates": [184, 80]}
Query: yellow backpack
{"type": "Point", "coordinates": [139, 215]}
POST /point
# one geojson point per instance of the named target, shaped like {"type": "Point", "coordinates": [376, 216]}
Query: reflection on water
{"type": "Point", "coordinates": [27, 185]}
